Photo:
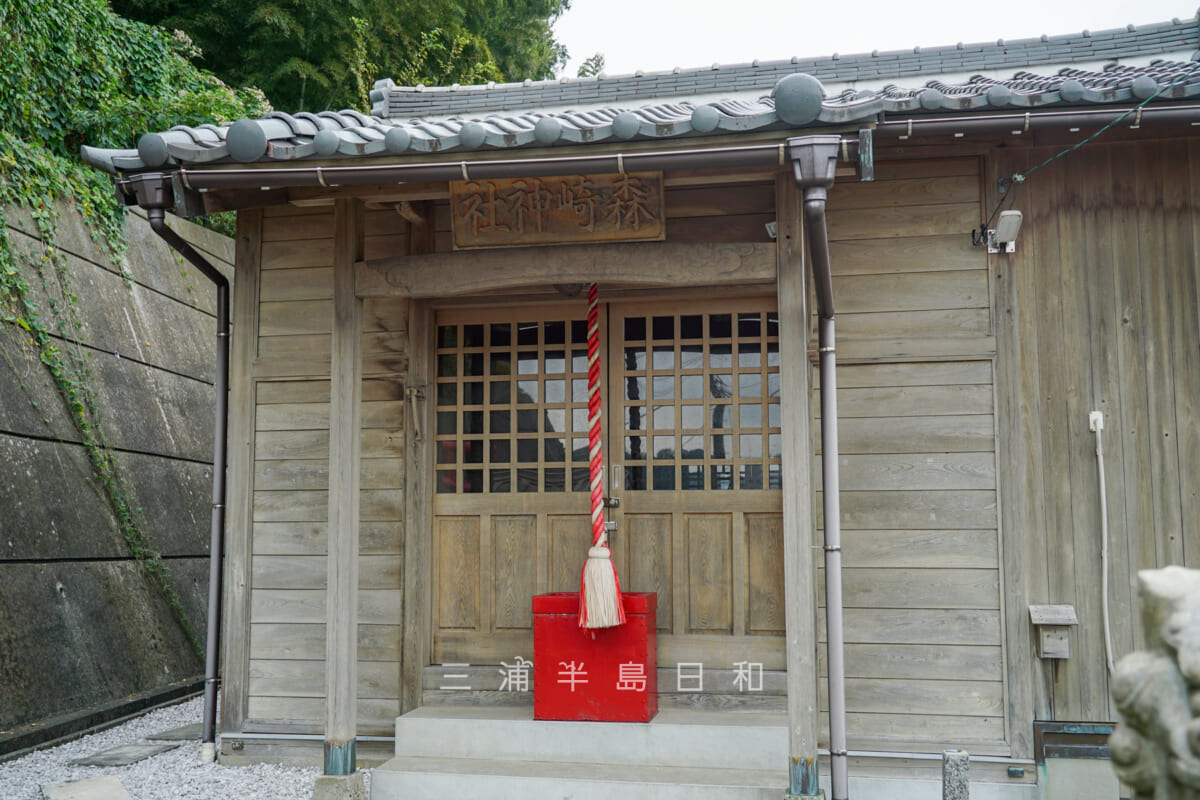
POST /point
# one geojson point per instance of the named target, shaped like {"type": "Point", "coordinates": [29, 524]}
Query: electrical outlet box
{"type": "Point", "coordinates": [1053, 623]}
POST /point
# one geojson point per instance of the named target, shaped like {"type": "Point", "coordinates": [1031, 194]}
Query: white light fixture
{"type": "Point", "coordinates": [772, 229]}
{"type": "Point", "coordinates": [1003, 238]}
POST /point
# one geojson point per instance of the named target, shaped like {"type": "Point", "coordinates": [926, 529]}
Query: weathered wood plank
{"type": "Point", "coordinates": [375, 606]}
{"type": "Point", "coordinates": [308, 538]}
{"type": "Point", "coordinates": [650, 263]}
{"type": "Point", "coordinates": [950, 434]}
{"type": "Point", "coordinates": [514, 577]}
{"type": "Point", "coordinates": [290, 640]}
{"type": "Point", "coordinates": [857, 376]}
{"type": "Point", "coordinates": [934, 471]}
{"type": "Point", "coordinates": [956, 510]}
{"type": "Point", "coordinates": [386, 314]}
{"type": "Point", "coordinates": [958, 626]}
{"type": "Point", "coordinates": [375, 717]}
{"type": "Point", "coordinates": [928, 733]}
{"type": "Point", "coordinates": [418, 547]}
{"type": "Point", "coordinates": [913, 291]}
{"type": "Point", "coordinates": [905, 192]}
{"type": "Point", "coordinates": [650, 566]}
{"type": "Point", "coordinates": [308, 572]}
{"type": "Point", "coordinates": [376, 473]}
{"type": "Point", "coordinates": [916, 697]}
{"type": "Point", "coordinates": [904, 169]}
{"type": "Point", "coordinates": [457, 559]}
{"type": "Point", "coordinates": [290, 228]}
{"type": "Point", "coordinates": [917, 588]}
{"type": "Point", "coordinates": [977, 549]}
{"type": "Point", "coordinates": [295, 317]}
{"type": "Point", "coordinates": [922, 662]}
{"type": "Point", "coordinates": [282, 678]}
{"type": "Point", "coordinates": [312, 283]}
{"type": "Point", "coordinates": [913, 401]}
{"type": "Point", "coordinates": [766, 605]}
{"type": "Point", "coordinates": [238, 544]}
{"type": "Point", "coordinates": [297, 254]}
{"type": "Point", "coordinates": [293, 356]}
{"type": "Point", "coordinates": [709, 566]}
{"type": "Point", "coordinates": [951, 251]}
{"type": "Point", "coordinates": [947, 325]}
{"type": "Point", "coordinates": [887, 223]}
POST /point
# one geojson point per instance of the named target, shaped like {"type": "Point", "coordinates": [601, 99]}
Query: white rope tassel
{"type": "Point", "coordinates": [600, 590]}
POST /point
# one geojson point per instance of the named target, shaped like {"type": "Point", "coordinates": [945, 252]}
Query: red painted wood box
{"type": "Point", "coordinates": [609, 674]}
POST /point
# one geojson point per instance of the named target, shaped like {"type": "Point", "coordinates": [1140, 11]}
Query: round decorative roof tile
{"type": "Point", "coordinates": [246, 140]}
{"type": "Point", "coordinates": [798, 98]}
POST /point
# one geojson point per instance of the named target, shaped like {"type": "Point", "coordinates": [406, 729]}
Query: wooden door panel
{"type": "Point", "coordinates": [456, 549]}
{"type": "Point", "coordinates": [764, 566]}
{"type": "Point", "coordinates": [709, 540]}
{"type": "Point", "coordinates": [648, 537]}
{"type": "Point", "coordinates": [514, 544]}
{"type": "Point", "coordinates": [570, 538]}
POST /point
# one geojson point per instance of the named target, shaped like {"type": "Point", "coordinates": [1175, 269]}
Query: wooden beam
{"type": "Point", "coordinates": [647, 264]}
{"type": "Point", "coordinates": [417, 630]}
{"type": "Point", "coordinates": [799, 589]}
{"type": "Point", "coordinates": [341, 622]}
{"type": "Point", "coordinates": [236, 624]}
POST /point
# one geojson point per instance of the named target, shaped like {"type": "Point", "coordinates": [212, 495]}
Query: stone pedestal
{"type": "Point", "coordinates": [340, 787]}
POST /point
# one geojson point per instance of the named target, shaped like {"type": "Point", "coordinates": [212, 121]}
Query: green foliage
{"type": "Point", "coordinates": [72, 73]}
{"type": "Point", "coordinates": [592, 66]}
{"type": "Point", "coordinates": [314, 56]}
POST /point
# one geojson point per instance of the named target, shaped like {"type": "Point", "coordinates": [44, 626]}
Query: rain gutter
{"type": "Point", "coordinates": [814, 162]}
{"type": "Point", "coordinates": [153, 192]}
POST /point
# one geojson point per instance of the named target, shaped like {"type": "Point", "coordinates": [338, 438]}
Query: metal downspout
{"type": "Point", "coordinates": [814, 159]}
{"type": "Point", "coordinates": [154, 193]}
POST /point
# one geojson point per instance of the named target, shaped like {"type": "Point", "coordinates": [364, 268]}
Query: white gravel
{"type": "Point", "coordinates": [175, 775]}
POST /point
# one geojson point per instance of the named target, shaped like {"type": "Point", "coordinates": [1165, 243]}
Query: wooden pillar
{"type": "Point", "coordinates": [799, 591]}
{"type": "Point", "coordinates": [341, 594]}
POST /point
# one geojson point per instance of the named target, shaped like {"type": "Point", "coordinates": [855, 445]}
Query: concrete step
{"type": "Point", "coordinates": [427, 778]}
{"type": "Point", "coordinates": [675, 737]}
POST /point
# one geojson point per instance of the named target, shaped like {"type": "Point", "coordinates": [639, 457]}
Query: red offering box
{"type": "Point", "coordinates": [607, 674]}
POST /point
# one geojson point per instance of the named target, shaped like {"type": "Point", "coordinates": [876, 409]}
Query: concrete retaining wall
{"type": "Point", "coordinates": [81, 626]}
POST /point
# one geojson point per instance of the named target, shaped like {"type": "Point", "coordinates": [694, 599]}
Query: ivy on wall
{"type": "Point", "coordinates": [74, 73]}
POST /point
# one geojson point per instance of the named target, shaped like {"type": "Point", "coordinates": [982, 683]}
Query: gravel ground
{"type": "Point", "coordinates": [175, 775]}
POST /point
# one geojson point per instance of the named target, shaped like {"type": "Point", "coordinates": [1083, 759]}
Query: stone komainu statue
{"type": "Point", "coordinates": [1156, 749]}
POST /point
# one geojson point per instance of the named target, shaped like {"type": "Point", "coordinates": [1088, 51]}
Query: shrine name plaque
{"type": "Point", "coordinates": [519, 212]}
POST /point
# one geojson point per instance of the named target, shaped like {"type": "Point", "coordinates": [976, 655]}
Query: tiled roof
{"type": "Point", "coordinates": [284, 137]}
{"type": "Point", "coordinates": [998, 57]}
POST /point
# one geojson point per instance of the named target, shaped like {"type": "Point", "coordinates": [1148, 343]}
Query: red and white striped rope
{"type": "Point", "coordinates": [595, 457]}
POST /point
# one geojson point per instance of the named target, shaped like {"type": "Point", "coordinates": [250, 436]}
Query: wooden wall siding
{"type": "Point", "coordinates": [1100, 312]}
{"type": "Point", "coordinates": [904, 268]}
{"type": "Point", "coordinates": [289, 490]}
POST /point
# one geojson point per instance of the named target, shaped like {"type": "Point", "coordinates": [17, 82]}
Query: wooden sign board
{"type": "Point", "coordinates": [519, 212]}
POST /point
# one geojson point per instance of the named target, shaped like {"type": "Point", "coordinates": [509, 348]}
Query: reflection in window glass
{"type": "Point", "coordinates": [579, 331]}
{"type": "Point", "coordinates": [579, 450]}
{"type": "Point", "coordinates": [635, 418]}
{"type": "Point", "coordinates": [527, 392]}
{"type": "Point", "coordinates": [664, 418]}
{"type": "Point", "coordinates": [772, 354]}
{"type": "Point", "coordinates": [501, 364]}
{"type": "Point", "coordinates": [472, 451]}
{"type": "Point", "coordinates": [692, 477]}
{"type": "Point", "coordinates": [749, 355]}
{"type": "Point", "coordinates": [721, 446]}
{"type": "Point", "coordinates": [447, 482]}
{"type": "Point", "coordinates": [720, 326]}
{"type": "Point", "coordinates": [473, 364]}
{"type": "Point", "coordinates": [774, 476]}
{"type": "Point", "coordinates": [501, 451]}
{"type": "Point", "coordinates": [692, 447]}
{"type": "Point", "coordinates": [664, 446]}
{"type": "Point", "coordinates": [635, 388]}
{"type": "Point", "coordinates": [556, 332]}
{"type": "Point", "coordinates": [556, 362]}
{"type": "Point", "coordinates": [664, 358]}
{"type": "Point", "coordinates": [722, 476]}
{"type": "Point", "coordinates": [472, 336]}
{"type": "Point", "coordinates": [750, 446]}
{"type": "Point", "coordinates": [501, 335]}
{"type": "Point", "coordinates": [691, 326]}
{"type": "Point", "coordinates": [691, 356]}
{"type": "Point", "coordinates": [774, 445]}
{"type": "Point", "coordinates": [447, 336]}
{"type": "Point", "coordinates": [720, 386]}
{"type": "Point", "coordinates": [749, 326]}
{"type": "Point", "coordinates": [635, 448]}
{"type": "Point", "coordinates": [720, 356]}
{"type": "Point", "coordinates": [751, 476]}
{"type": "Point", "coordinates": [527, 480]}
{"type": "Point", "coordinates": [691, 417]}
{"type": "Point", "coordinates": [579, 420]}
{"type": "Point", "coordinates": [773, 384]}
{"type": "Point", "coordinates": [721, 416]}
{"type": "Point", "coordinates": [555, 420]}
{"type": "Point", "coordinates": [635, 478]}
{"type": "Point", "coordinates": [750, 415]}
{"type": "Point", "coordinates": [501, 393]}
{"type": "Point", "coordinates": [527, 451]}
{"type": "Point", "coordinates": [527, 362]}
{"type": "Point", "coordinates": [579, 361]}
{"type": "Point", "coordinates": [472, 481]}
{"type": "Point", "coordinates": [447, 365]}
{"type": "Point", "coordinates": [472, 422]}
{"type": "Point", "coordinates": [664, 478]}
{"type": "Point", "coordinates": [579, 390]}
{"type": "Point", "coordinates": [635, 359]}
{"type": "Point", "coordinates": [772, 323]}
{"type": "Point", "coordinates": [555, 450]}
{"type": "Point", "coordinates": [447, 423]}
{"type": "Point", "coordinates": [581, 480]}
{"type": "Point", "coordinates": [447, 394]}
{"type": "Point", "coordinates": [499, 422]}
{"type": "Point", "coordinates": [501, 480]}
{"type": "Point", "coordinates": [635, 329]}
{"type": "Point", "coordinates": [664, 327]}
{"type": "Point", "coordinates": [446, 452]}
{"type": "Point", "coordinates": [664, 387]}
{"type": "Point", "coordinates": [750, 385]}
{"type": "Point", "coordinates": [527, 334]}
{"type": "Point", "coordinates": [555, 479]}
{"type": "Point", "coordinates": [527, 420]}
{"type": "Point", "coordinates": [473, 393]}
{"type": "Point", "coordinates": [773, 415]}
{"type": "Point", "coordinates": [691, 387]}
